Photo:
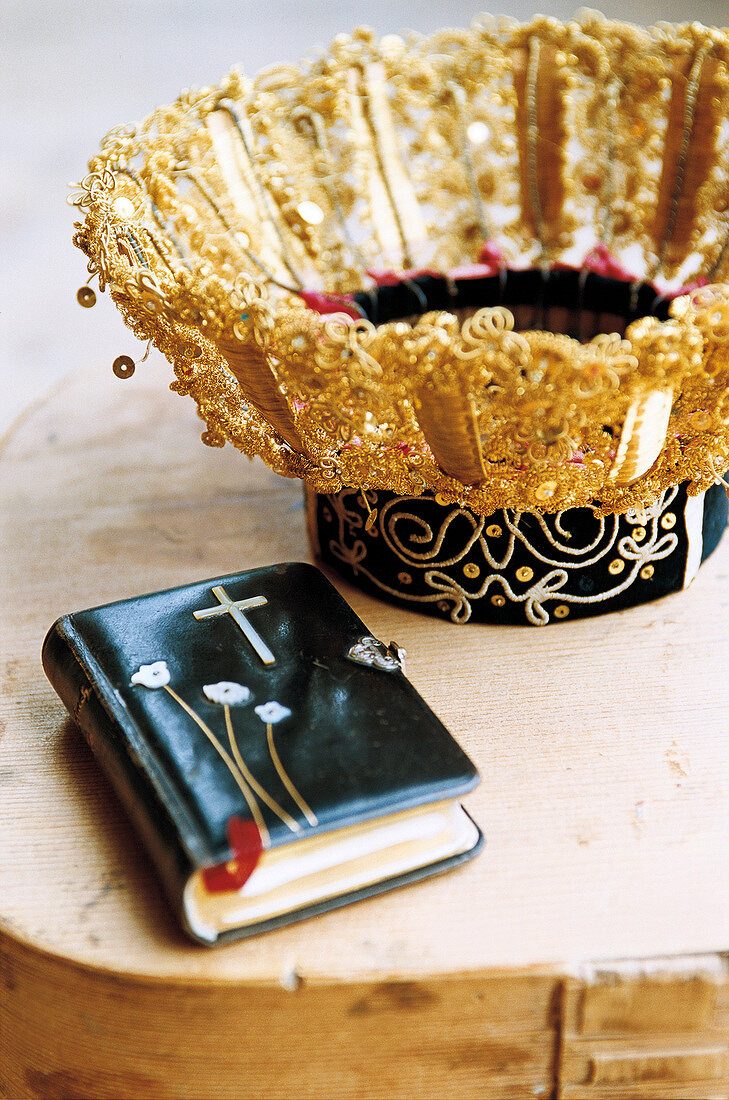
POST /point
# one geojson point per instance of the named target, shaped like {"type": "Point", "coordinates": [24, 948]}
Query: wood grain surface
{"type": "Point", "coordinates": [604, 753]}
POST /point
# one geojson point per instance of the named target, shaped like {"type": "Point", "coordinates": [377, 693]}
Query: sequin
{"type": "Point", "coordinates": [123, 207]}
{"type": "Point", "coordinates": [700, 420]}
{"type": "Point", "coordinates": [478, 132]}
{"type": "Point", "coordinates": [123, 366]}
{"type": "Point", "coordinates": [545, 491]}
{"type": "Point", "coordinates": [310, 212]}
{"type": "Point", "coordinates": [86, 296]}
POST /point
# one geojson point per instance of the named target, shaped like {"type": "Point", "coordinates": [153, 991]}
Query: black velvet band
{"type": "Point", "coordinates": [509, 567]}
{"type": "Point", "coordinates": [576, 291]}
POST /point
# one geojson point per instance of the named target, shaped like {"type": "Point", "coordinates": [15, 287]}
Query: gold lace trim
{"type": "Point", "coordinates": [208, 219]}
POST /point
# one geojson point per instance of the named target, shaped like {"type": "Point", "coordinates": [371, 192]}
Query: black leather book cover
{"type": "Point", "coordinates": [256, 697]}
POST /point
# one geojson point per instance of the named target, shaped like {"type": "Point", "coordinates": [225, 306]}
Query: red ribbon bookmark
{"type": "Point", "coordinates": [246, 844]}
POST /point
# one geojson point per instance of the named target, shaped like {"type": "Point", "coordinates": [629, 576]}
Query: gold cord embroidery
{"type": "Point", "coordinates": [653, 541]}
{"type": "Point", "coordinates": [297, 797]}
{"type": "Point", "coordinates": [253, 782]}
{"type": "Point", "coordinates": [243, 786]}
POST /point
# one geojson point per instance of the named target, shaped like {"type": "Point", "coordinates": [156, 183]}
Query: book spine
{"type": "Point", "coordinates": [100, 716]}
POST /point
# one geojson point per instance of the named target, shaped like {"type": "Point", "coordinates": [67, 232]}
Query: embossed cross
{"type": "Point", "coordinates": [236, 608]}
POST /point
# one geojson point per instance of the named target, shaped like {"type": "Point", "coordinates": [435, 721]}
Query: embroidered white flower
{"type": "Point", "coordinates": [272, 712]}
{"type": "Point", "coordinates": [156, 675]}
{"type": "Point", "coordinates": [227, 691]}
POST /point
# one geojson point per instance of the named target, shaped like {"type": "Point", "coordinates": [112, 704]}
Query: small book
{"type": "Point", "coordinates": [272, 754]}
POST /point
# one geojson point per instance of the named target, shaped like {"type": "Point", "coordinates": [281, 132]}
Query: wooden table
{"type": "Point", "coordinates": [603, 747]}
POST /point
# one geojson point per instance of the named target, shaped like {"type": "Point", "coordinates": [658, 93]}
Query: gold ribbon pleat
{"type": "Point", "coordinates": [642, 437]}
{"type": "Point", "coordinates": [259, 383]}
{"type": "Point", "coordinates": [692, 133]}
{"type": "Point", "coordinates": [447, 420]}
{"type": "Point", "coordinates": [541, 133]}
{"type": "Point", "coordinates": [396, 216]}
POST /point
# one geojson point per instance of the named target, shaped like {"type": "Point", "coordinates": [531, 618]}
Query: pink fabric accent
{"type": "Point", "coordinates": [688, 288]}
{"type": "Point", "coordinates": [491, 260]}
{"type": "Point", "coordinates": [329, 303]}
{"type": "Point", "coordinates": [473, 271]}
{"type": "Point", "coordinates": [602, 262]}
{"type": "Point", "coordinates": [492, 255]}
